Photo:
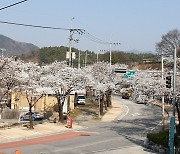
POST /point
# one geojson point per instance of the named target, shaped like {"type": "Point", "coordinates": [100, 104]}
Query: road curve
{"type": "Point", "coordinates": [125, 134]}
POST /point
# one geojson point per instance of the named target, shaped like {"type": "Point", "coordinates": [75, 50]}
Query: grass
{"type": "Point", "coordinates": [90, 108]}
{"type": "Point", "coordinates": [162, 138]}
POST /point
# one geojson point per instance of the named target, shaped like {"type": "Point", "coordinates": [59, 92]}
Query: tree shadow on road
{"type": "Point", "coordinates": [135, 130]}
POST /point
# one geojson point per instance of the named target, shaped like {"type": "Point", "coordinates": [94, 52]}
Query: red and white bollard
{"type": "Point", "coordinates": [69, 122]}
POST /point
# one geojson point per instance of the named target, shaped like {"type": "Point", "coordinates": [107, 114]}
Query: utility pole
{"type": "Point", "coordinates": [110, 52]}
{"type": "Point", "coordinates": [70, 47]}
{"type": "Point", "coordinates": [162, 71]}
{"type": "Point", "coordinates": [173, 121]}
{"type": "Point", "coordinates": [110, 56]}
{"type": "Point", "coordinates": [174, 82]}
{"type": "Point", "coordinates": [79, 60]}
{"type": "Point", "coordinates": [86, 58]}
{"type": "Point", "coordinates": [97, 57]}
{"type": "Point", "coordinates": [70, 43]}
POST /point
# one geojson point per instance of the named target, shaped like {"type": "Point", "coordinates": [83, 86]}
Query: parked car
{"type": "Point", "coordinates": [35, 116]}
{"type": "Point", "coordinates": [125, 95]}
{"type": "Point", "coordinates": [141, 99]}
{"type": "Point", "coordinates": [81, 99]}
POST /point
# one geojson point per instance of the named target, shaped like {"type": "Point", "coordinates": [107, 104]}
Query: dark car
{"type": "Point", "coordinates": [35, 116]}
{"type": "Point", "coordinates": [125, 96]}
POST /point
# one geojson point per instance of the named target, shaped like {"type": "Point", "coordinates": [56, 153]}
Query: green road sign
{"type": "Point", "coordinates": [129, 74]}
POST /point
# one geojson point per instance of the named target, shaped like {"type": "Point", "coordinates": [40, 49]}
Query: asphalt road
{"type": "Point", "coordinates": [124, 135]}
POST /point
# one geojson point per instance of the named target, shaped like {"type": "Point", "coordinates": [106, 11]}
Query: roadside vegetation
{"type": "Point", "coordinates": [162, 138]}
{"type": "Point", "coordinates": [91, 109]}
{"type": "Point", "coordinates": [48, 55]}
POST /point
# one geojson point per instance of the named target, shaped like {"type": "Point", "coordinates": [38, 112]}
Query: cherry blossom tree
{"type": "Point", "coordinates": [62, 79]}
{"type": "Point", "coordinates": [10, 68]}
{"type": "Point", "coordinates": [101, 76]}
{"type": "Point", "coordinates": [29, 83]}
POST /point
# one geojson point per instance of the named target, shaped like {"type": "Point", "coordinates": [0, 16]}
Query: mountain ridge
{"type": "Point", "coordinates": [11, 47]}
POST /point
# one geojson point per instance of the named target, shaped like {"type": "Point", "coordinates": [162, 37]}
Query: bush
{"type": "Point", "coordinates": [10, 114]}
{"type": "Point", "coordinates": [161, 138]}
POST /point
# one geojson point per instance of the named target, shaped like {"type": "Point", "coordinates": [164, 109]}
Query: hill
{"type": "Point", "coordinates": [50, 54]}
{"type": "Point", "coordinates": [13, 47]}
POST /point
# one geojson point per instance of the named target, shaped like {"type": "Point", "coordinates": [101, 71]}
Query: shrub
{"type": "Point", "coordinates": [10, 114]}
{"type": "Point", "coordinates": [161, 138]}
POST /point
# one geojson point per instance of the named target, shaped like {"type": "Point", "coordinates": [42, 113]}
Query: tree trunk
{"type": "Point", "coordinates": [105, 101]}
{"type": "Point", "coordinates": [60, 110]}
{"type": "Point", "coordinates": [109, 103]}
{"type": "Point", "coordinates": [101, 105]}
{"type": "Point", "coordinates": [30, 118]}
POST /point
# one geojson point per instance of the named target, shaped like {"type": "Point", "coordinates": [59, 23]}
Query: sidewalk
{"type": "Point", "coordinates": [113, 112]}
{"type": "Point", "coordinates": [19, 133]}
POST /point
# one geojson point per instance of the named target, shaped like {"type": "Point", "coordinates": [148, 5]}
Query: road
{"type": "Point", "coordinates": [126, 134]}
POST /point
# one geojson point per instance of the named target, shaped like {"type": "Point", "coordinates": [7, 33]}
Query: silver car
{"type": "Point", "coordinates": [35, 116]}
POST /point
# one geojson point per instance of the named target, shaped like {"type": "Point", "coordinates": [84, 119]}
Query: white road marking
{"type": "Point", "coordinates": [135, 114]}
{"type": "Point", "coordinates": [127, 111]}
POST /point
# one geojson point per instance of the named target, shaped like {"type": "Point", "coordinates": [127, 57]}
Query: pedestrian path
{"type": "Point", "coordinates": [113, 112]}
{"type": "Point", "coordinates": [20, 133]}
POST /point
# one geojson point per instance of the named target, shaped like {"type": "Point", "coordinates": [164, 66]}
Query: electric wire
{"type": "Point", "coordinates": [34, 26]}
{"type": "Point", "coordinates": [79, 31]}
{"type": "Point", "coordinates": [12, 5]}
{"type": "Point", "coordinates": [97, 40]}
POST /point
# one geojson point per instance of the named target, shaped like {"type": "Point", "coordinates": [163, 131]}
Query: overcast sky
{"type": "Point", "coordinates": [136, 24]}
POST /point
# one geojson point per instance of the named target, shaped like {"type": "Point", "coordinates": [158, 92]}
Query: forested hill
{"type": "Point", "coordinates": [12, 47]}
{"type": "Point", "coordinates": [50, 54]}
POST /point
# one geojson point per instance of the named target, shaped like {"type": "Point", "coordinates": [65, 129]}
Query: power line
{"type": "Point", "coordinates": [78, 30]}
{"type": "Point", "coordinates": [94, 39]}
{"type": "Point", "coordinates": [97, 40]}
{"type": "Point", "coordinates": [12, 5]}
{"type": "Point", "coordinates": [34, 26]}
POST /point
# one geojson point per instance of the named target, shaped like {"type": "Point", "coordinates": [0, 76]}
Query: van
{"type": "Point", "coordinates": [81, 99]}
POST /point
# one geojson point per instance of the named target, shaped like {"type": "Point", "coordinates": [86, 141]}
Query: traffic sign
{"type": "Point", "coordinates": [129, 74]}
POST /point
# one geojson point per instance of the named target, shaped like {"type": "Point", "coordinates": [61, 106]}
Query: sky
{"type": "Point", "coordinates": [136, 24]}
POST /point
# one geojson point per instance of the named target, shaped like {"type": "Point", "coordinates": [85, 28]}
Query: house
{"type": "Point", "coordinates": [47, 102]}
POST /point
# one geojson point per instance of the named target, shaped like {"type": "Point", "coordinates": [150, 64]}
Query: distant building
{"type": "Point", "coordinates": [48, 101]}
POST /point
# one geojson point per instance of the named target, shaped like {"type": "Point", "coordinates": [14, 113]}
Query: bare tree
{"type": "Point", "coordinates": [169, 42]}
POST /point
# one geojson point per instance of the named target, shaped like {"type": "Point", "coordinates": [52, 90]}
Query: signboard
{"type": "Point", "coordinates": [120, 70]}
{"type": "Point", "coordinates": [129, 74]}
{"type": "Point", "coordinates": [73, 54]}
{"type": "Point", "coordinates": [67, 55]}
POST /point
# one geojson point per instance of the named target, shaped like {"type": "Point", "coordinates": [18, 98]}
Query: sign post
{"type": "Point", "coordinates": [171, 135]}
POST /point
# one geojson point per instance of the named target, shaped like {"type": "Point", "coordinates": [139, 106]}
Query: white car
{"type": "Point", "coordinates": [81, 99]}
